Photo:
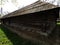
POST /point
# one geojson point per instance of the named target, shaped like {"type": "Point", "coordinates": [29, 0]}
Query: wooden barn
{"type": "Point", "coordinates": [35, 21]}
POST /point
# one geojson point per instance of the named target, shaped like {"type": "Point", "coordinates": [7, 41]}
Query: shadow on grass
{"type": "Point", "coordinates": [14, 38]}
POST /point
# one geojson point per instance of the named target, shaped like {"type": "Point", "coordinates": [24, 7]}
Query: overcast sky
{"type": "Point", "coordinates": [11, 5]}
{"type": "Point", "coordinates": [55, 2]}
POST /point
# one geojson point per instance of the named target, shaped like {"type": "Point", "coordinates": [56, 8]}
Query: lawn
{"type": "Point", "coordinates": [9, 38]}
{"type": "Point", "coordinates": [58, 23]}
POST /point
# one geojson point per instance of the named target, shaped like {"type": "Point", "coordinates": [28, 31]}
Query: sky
{"type": "Point", "coordinates": [11, 5]}
{"type": "Point", "coordinates": [55, 2]}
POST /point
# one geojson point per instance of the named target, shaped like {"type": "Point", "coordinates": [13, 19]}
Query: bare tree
{"type": "Point", "coordinates": [2, 2]}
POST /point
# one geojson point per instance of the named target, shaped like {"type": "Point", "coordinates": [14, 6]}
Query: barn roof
{"type": "Point", "coordinates": [35, 7]}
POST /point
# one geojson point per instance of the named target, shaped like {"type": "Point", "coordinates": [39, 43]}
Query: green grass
{"type": "Point", "coordinates": [3, 38]}
{"type": "Point", "coordinates": [58, 23]}
{"type": "Point", "coordinates": [9, 38]}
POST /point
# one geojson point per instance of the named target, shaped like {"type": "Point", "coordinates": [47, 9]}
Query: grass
{"type": "Point", "coordinates": [58, 23]}
{"type": "Point", "coordinates": [9, 38]}
{"type": "Point", "coordinates": [3, 38]}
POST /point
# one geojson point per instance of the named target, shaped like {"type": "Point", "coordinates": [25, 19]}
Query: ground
{"type": "Point", "coordinates": [9, 38]}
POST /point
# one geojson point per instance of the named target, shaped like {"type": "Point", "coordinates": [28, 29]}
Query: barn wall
{"type": "Point", "coordinates": [44, 21]}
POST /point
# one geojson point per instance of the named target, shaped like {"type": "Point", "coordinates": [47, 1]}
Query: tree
{"type": "Point", "coordinates": [2, 2]}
